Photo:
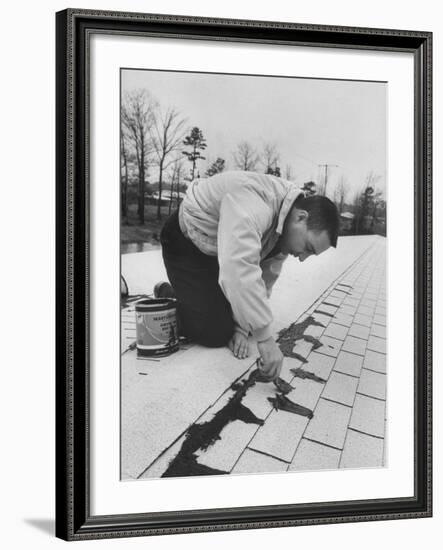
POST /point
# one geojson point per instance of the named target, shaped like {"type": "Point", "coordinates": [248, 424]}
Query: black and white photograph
{"type": "Point", "coordinates": [243, 274]}
{"type": "Point", "coordinates": [220, 222]}
{"type": "Point", "coordinates": [253, 239]}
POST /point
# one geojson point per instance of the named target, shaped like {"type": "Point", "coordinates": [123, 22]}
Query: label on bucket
{"type": "Point", "coordinates": [156, 329]}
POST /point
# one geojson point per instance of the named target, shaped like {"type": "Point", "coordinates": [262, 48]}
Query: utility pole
{"type": "Point", "coordinates": [326, 166]}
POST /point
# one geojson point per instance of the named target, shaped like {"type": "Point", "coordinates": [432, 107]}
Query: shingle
{"type": "Point", "coordinates": [333, 300]}
{"type": "Point", "coordinates": [379, 331]}
{"type": "Point", "coordinates": [302, 348]}
{"type": "Point", "coordinates": [377, 344]}
{"type": "Point", "coordinates": [253, 462]}
{"type": "Point", "coordinates": [280, 435]}
{"type": "Point", "coordinates": [314, 330]}
{"type": "Point", "coordinates": [379, 320]}
{"type": "Point", "coordinates": [325, 308]}
{"type": "Point", "coordinates": [343, 319]}
{"type": "Point", "coordinates": [368, 302]}
{"type": "Point", "coordinates": [375, 361]}
{"type": "Point", "coordinates": [361, 451]}
{"type": "Point", "coordinates": [359, 331]}
{"type": "Point", "coordinates": [349, 301]}
{"type": "Point", "coordinates": [343, 288]}
{"type": "Point", "coordinates": [362, 320]}
{"type": "Point", "coordinates": [341, 388]}
{"type": "Point", "coordinates": [307, 392]}
{"type": "Point", "coordinates": [364, 310]}
{"type": "Point", "coordinates": [314, 456]}
{"type": "Point", "coordinates": [372, 384]}
{"type": "Point", "coordinates": [336, 293]}
{"type": "Point", "coordinates": [349, 363]}
{"type": "Point", "coordinates": [329, 424]}
{"type": "Point", "coordinates": [368, 415]}
{"type": "Point", "coordinates": [347, 310]}
{"type": "Point", "coordinates": [224, 453]}
{"type": "Point", "coordinates": [322, 318]}
{"type": "Point", "coordinates": [330, 346]}
{"type": "Point", "coordinates": [354, 345]}
{"type": "Point", "coordinates": [336, 331]}
{"type": "Point", "coordinates": [320, 364]}
{"type": "Point", "coordinates": [359, 291]}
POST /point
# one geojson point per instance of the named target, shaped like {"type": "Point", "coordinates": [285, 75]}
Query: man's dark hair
{"type": "Point", "coordinates": [323, 215]}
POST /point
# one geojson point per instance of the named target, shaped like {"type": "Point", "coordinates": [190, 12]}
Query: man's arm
{"type": "Point", "coordinates": [271, 269]}
{"type": "Point", "coordinates": [244, 216]}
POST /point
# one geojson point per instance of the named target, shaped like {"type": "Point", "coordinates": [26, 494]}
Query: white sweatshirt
{"type": "Point", "coordinates": [239, 217]}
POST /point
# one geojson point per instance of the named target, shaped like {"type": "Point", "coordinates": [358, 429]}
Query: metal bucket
{"type": "Point", "coordinates": [156, 324]}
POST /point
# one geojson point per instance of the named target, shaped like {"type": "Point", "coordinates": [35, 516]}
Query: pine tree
{"type": "Point", "coordinates": [197, 143]}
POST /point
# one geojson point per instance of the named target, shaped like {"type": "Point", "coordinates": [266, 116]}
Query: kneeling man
{"type": "Point", "coordinates": [224, 248]}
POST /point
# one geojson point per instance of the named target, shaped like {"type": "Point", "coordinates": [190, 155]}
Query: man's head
{"type": "Point", "coordinates": [310, 227]}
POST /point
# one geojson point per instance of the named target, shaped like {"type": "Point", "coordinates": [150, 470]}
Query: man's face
{"type": "Point", "coordinates": [299, 241]}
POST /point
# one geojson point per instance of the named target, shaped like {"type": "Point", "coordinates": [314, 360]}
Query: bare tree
{"type": "Point", "coordinates": [177, 172]}
{"type": "Point", "coordinates": [124, 174]}
{"type": "Point", "coordinates": [137, 120]}
{"type": "Point", "coordinates": [365, 204]}
{"type": "Point", "coordinates": [371, 179]}
{"type": "Point", "coordinates": [167, 134]}
{"type": "Point", "coordinates": [245, 156]}
{"type": "Point", "coordinates": [270, 158]}
{"type": "Point", "coordinates": [341, 192]}
{"type": "Point", "coordinates": [289, 175]}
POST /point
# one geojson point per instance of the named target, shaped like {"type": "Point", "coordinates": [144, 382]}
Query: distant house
{"type": "Point", "coordinates": [346, 219]}
{"type": "Point", "coordinates": [154, 197]}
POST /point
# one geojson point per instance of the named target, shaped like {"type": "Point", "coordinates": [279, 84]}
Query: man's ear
{"type": "Point", "coordinates": [301, 215]}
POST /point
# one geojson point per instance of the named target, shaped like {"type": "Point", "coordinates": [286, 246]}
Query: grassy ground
{"type": "Point", "coordinates": [133, 232]}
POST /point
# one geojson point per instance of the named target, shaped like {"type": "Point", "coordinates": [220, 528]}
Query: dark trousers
{"type": "Point", "coordinates": [204, 313]}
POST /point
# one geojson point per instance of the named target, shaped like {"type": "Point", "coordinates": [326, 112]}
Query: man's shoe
{"type": "Point", "coordinates": [163, 289]}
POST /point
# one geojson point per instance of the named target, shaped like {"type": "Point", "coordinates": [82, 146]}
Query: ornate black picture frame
{"type": "Point", "coordinates": [74, 29]}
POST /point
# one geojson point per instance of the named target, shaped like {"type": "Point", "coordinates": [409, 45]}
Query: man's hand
{"type": "Point", "coordinates": [272, 358]}
{"type": "Point", "coordinates": [239, 345]}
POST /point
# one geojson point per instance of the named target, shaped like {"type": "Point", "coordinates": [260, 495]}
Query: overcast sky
{"type": "Point", "coordinates": [311, 121]}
